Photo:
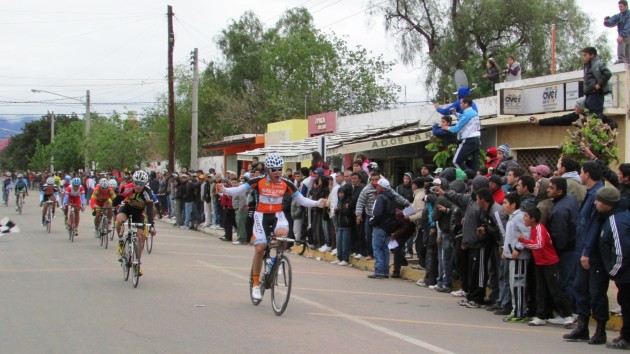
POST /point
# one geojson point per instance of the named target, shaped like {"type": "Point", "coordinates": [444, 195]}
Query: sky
{"type": "Point", "coordinates": [118, 49]}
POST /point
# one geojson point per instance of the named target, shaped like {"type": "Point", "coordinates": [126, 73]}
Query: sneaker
{"type": "Point", "coordinates": [357, 256]}
{"type": "Point", "coordinates": [237, 243]}
{"type": "Point", "coordinates": [513, 319]}
{"type": "Point", "coordinates": [343, 263]}
{"type": "Point", "coordinates": [502, 312]}
{"type": "Point", "coordinates": [421, 283]}
{"type": "Point", "coordinates": [568, 321]}
{"type": "Point", "coordinates": [493, 307]}
{"type": "Point", "coordinates": [333, 252]}
{"type": "Point", "coordinates": [256, 295]}
{"type": "Point", "coordinates": [324, 248]}
{"type": "Point", "coordinates": [184, 227]}
{"type": "Point", "coordinates": [458, 293]}
{"type": "Point", "coordinates": [395, 275]}
{"type": "Point", "coordinates": [558, 320]}
{"type": "Point", "coordinates": [336, 261]}
{"type": "Point", "coordinates": [472, 305]}
{"type": "Point", "coordinates": [97, 234]}
{"type": "Point", "coordinates": [537, 322]}
{"type": "Point", "coordinates": [444, 289]}
{"type": "Point", "coordinates": [408, 255]}
{"type": "Point", "coordinates": [417, 266]}
{"type": "Point", "coordinates": [462, 302]}
{"type": "Point", "coordinates": [433, 287]}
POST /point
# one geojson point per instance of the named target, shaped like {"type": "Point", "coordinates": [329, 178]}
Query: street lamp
{"type": "Point", "coordinates": [87, 117]}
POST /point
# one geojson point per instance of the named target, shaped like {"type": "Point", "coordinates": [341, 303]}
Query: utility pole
{"type": "Point", "coordinates": [88, 125]}
{"type": "Point", "coordinates": [52, 137]}
{"type": "Point", "coordinates": [195, 112]}
{"type": "Point", "coordinates": [171, 93]}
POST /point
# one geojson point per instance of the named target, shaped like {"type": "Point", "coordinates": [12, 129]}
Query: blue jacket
{"type": "Point", "coordinates": [461, 93]}
{"type": "Point", "coordinates": [622, 20]}
{"type": "Point", "coordinates": [614, 244]}
{"type": "Point", "coordinates": [446, 136]}
{"type": "Point", "coordinates": [588, 225]}
{"type": "Point", "coordinates": [384, 214]}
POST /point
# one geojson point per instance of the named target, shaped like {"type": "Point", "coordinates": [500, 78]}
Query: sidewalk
{"type": "Point", "coordinates": [408, 273]}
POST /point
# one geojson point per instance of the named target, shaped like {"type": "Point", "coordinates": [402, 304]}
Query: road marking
{"type": "Point", "coordinates": [205, 254]}
{"type": "Point", "coordinates": [450, 324]}
{"type": "Point", "coordinates": [378, 294]}
{"type": "Point", "coordinates": [357, 320]}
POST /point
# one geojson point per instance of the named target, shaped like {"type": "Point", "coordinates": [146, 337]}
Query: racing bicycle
{"type": "Point", "coordinates": [131, 251]}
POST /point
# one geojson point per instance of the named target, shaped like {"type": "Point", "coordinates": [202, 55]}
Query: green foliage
{"type": "Point", "coordinates": [41, 158]}
{"type": "Point", "coordinates": [69, 146]}
{"type": "Point", "coordinates": [436, 35]}
{"type": "Point", "coordinates": [443, 155]}
{"type": "Point", "coordinates": [591, 132]}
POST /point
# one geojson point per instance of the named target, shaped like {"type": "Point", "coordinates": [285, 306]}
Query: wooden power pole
{"type": "Point", "coordinates": [171, 93]}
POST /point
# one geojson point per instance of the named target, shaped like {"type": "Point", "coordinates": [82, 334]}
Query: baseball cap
{"type": "Point", "coordinates": [383, 183]}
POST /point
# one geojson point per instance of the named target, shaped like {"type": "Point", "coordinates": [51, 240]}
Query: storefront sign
{"type": "Point", "coordinates": [387, 142]}
{"type": "Point", "coordinates": [319, 124]}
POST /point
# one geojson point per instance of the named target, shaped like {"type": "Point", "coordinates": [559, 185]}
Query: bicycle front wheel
{"type": "Point", "coordinates": [126, 261]}
{"type": "Point", "coordinates": [135, 275]}
{"type": "Point", "coordinates": [149, 243]}
{"type": "Point", "coordinates": [281, 285]}
{"type": "Point", "coordinates": [48, 218]}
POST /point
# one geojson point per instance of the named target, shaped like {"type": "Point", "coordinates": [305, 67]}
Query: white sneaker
{"type": "Point", "coordinates": [256, 295]}
{"type": "Point", "coordinates": [408, 255]}
{"type": "Point", "coordinates": [343, 263]}
{"type": "Point", "coordinates": [568, 321]}
{"type": "Point", "coordinates": [537, 322]}
{"type": "Point", "coordinates": [325, 248]}
{"type": "Point", "coordinates": [336, 261]}
{"type": "Point", "coordinates": [333, 252]}
{"type": "Point", "coordinates": [357, 256]}
{"type": "Point", "coordinates": [433, 287]}
{"type": "Point", "coordinates": [458, 293]}
{"type": "Point", "coordinates": [558, 320]}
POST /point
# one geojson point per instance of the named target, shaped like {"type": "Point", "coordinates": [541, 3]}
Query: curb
{"type": "Point", "coordinates": [407, 273]}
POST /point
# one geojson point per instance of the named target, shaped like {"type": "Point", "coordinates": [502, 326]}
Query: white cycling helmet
{"type": "Point", "coordinates": [274, 161]}
{"type": "Point", "coordinates": [103, 183]}
{"type": "Point", "coordinates": [50, 180]}
{"type": "Point", "coordinates": [140, 176]}
{"type": "Point", "coordinates": [20, 175]}
{"type": "Point", "coordinates": [113, 183]}
{"type": "Point", "coordinates": [372, 166]}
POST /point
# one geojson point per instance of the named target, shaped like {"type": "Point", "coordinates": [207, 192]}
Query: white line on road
{"type": "Point", "coordinates": [368, 324]}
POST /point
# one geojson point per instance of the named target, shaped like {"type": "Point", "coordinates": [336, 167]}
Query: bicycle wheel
{"type": "Point", "coordinates": [149, 242]}
{"type": "Point", "coordinates": [251, 285]}
{"type": "Point", "coordinates": [71, 225]}
{"type": "Point", "coordinates": [20, 204]}
{"type": "Point", "coordinates": [126, 261]}
{"type": "Point", "coordinates": [135, 274]}
{"type": "Point", "coordinates": [104, 233]}
{"type": "Point", "coordinates": [281, 285]}
{"type": "Point", "coordinates": [48, 218]}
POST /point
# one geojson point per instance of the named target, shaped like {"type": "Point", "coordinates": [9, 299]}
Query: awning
{"type": "Point", "coordinates": [235, 140]}
{"type": "Point", "coordinates": [296, 151]}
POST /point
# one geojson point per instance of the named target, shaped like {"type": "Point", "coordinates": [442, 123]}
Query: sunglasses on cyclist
{"type": "Point", "coordinates": [275, 169]}
{"type": "Point", "coordinates": [139, 184]}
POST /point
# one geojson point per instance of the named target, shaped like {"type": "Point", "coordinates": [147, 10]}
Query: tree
{"type": "Point", "coordinates": [68, 147]}
{"type": "Point", "coordinates": [41, 157]}
{"type": "Point", "coordinates": [438, 34]}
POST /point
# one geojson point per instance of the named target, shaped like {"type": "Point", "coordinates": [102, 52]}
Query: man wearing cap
{"type": "Point", "coordinates": [506, 160]}
{"type": "Point", "coordinates": [569, 119]}
{"type": "Point", "coordinates": [494, 184]}
{"type": "Point", "coordinates": [383, 222]}
{"type": "Point", "coordinates": [492, 161]}
{"type": "Point", "coordinates": [540, 171]}
{"type": "Point", "coordinates": [614, 244]}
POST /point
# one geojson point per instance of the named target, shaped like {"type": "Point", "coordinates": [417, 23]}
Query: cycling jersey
{"type": "Point", "coordinates": [137, 200]}
{"type": "Point", "coordinates": [74, 196]}
{"type": "Point", "coordinates": [101, 196]}
{"type": "Point", "coordinates": [21, 185]}
{"type": "Point", "coordinates": [47, 191]}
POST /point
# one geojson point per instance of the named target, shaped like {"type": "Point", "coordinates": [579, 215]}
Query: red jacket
{"type": "Point", "coordinates": [498, 196]}
{"type": "Point", "coordinates": [540, 244]}
{"type": "Point", "coordinates": [226, 201]}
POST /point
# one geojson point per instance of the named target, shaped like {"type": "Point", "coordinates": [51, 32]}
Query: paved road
{"type": "Point", "coordinates": [59, 297]}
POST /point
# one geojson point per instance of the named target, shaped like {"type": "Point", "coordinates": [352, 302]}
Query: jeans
{"type": "Point", "coordinates": [241, 230]}
{"type": "Point", "coordinates": [445, 261]}
{"type": "Point", "coordinates": [380, 240]}
{"type": "Point", "coordinates": [344, 242]}
{"type": "Point", "coordinates": [505, 295]}
{"type": "Point", "coordinates": [217, 212]}
{"type": "Point", "coordinates": [595, 103]}
{"type": "Point", "coordinates": [325, 231]}
{"type": "Point", "coordinates": [566, 267]}
{"type": "Point", "coordinates": [623, 50]}
{"type": "Point", "coordinates": [188, 210]}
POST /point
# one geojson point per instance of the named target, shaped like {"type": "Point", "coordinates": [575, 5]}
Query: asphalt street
{"type": "Point", "coordinates": [62, 297]}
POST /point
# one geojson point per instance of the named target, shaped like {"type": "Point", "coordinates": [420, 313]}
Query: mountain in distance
{"type": "Point", "coordinates": [12, 125]}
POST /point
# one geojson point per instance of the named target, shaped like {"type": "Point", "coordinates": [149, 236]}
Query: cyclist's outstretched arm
{"type": "Point", "coordinates": [309, 203]}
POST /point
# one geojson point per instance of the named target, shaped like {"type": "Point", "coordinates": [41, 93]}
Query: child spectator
{"type": "Point", "coordinates": [344, 230]}
{"type": "Point", "coordinates": [445, 136]}
{"type": "Point", "coordinates": [548, 293]}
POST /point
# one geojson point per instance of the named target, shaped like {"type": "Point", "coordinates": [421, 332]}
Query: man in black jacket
{"type": "Point", "coordinates": [187, 197]}
{"type": "Point", "coordinates": [358, 241]}
{"type": "Point", "coordinates": [562, 225]}
{"type": "Point", "coordinates": [383, 222]}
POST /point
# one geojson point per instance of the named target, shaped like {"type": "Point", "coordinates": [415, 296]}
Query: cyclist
{"type": "Point", "coordinates": [21, 186]}
{"type": "Point", "coordinates": [75, 197]}
{"type": "Point", "coordinates": [271, 189]}
{"type": "Point", "coordinates": [113, 184]}
{"type": "Point", "coordinates": [7, 185]}
{"type": "Point", "coordinates": [136, 200]}
{"type": "Point", "coordinates": [48, 192]}
{"type": "Point", "coordinates": [102, 197]}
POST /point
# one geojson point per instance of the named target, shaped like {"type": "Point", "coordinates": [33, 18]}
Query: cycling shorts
{"type": "Point", "coordinates": [74, 201]}
{"type": "Point", "coordinates": [263, 222]}
{"type": "Point", "coordinates": [102, 203]}
{"type": "Point", "coordinates": [136, 215]}
{"type": "Point", "coordinates": [48, 197]}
